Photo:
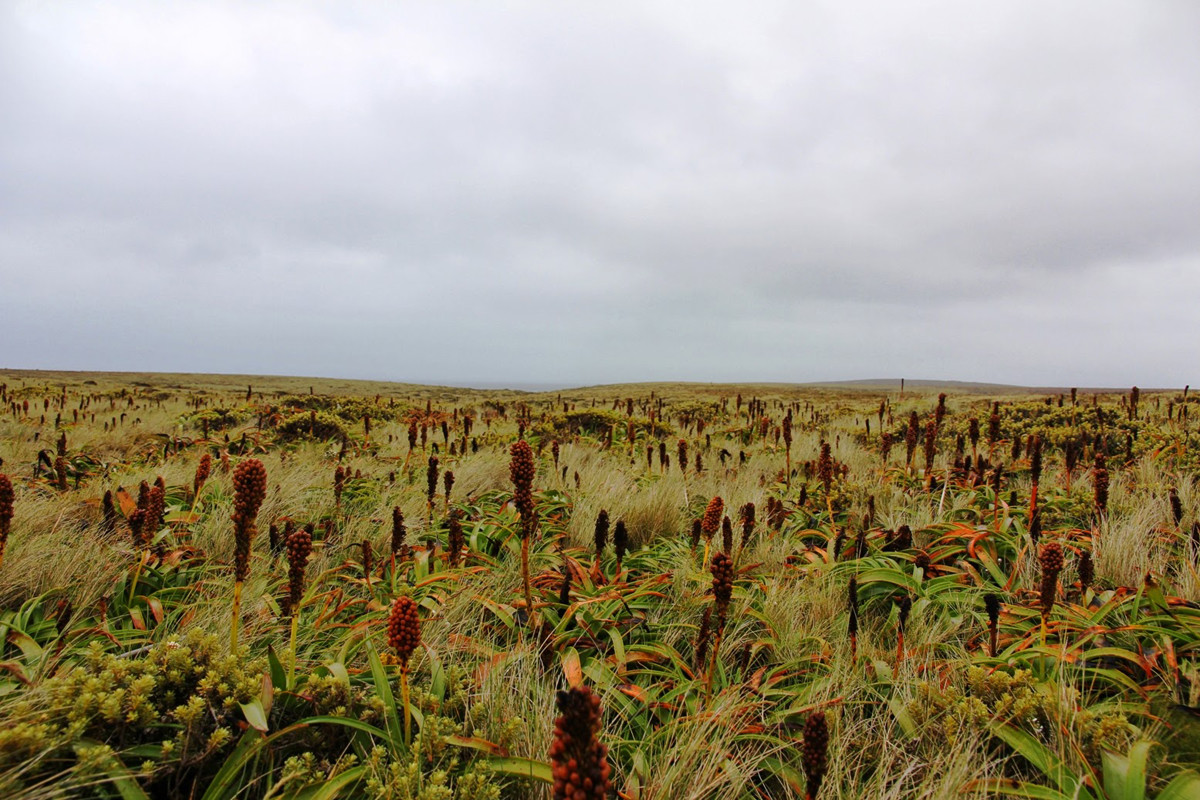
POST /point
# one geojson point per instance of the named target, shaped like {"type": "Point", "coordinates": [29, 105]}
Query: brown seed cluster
{"type": "Point", "coordinates": [398, 531]}
{"type": "Point", "coordinates": [6, 509]}
{"type": "Point", "coordinates": [620, 540]}
{"type": "Point", "coordinates": [825, 467]}
{"type": "Point", "coordinates": [404, 629]}
{"type": "Point", "coordinates": [521, 470]}
{"type": "Point", "coordinates": [1100, 484]}
{"type": "Point", "coordinates": [711, 521]}
{"type": "Point", "coordinates": [155, 505]}
{"type": "Point", "coordinates": [249, 491]}
{"type": "Point", "coordinates": [431, 477]}
{"type": "Point", "coordinates": [747, 517]}
{"type": "Point", "coordinates": [339, 485]}
{"type": "Point", "coordinates": [815, 752]}
{"type": "Point", "coordinates": [299, 548]}
{"type": "Point", "coordinates": [1051, 558]}
{"type": "Point", "coordinates": [600, 535]}
{"type": "Point", "coordinates": [203, 470]}
{"type": "Point", "coordinates": [454, 537]}
{"type": "Point", "coordinates": [722, 575]}
{"type": "Point", "coordinates": [578, 759]}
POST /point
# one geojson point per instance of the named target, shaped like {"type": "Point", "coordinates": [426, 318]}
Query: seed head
{"type": "Point", "coordinates": [1087, 571]}
{"type": "Point", "coordinates": [578, 760]}
{"type": "Point", "coordinates": [600, 535]}
{"type": "Point", "coordinates": [203, 470]}
{"type": "Point", "coordinates": [431, 476]}
{"type": "Point", "coordinates": [1051, 558]}
{"type": "Point", "coordinates": [620, 539]}
{"type": "Point", "coordinates": [712, 517]}
{"type": "Point", "coordinates": [454, 538]}
{"type": "Point", "coordinates": [991, 602]}
{"type": "Point", "coordinates": [722, 574]}
{"type": "Point", "coordinates": [398, 531]}
{"type": "Point", "coordinates": [299, 547]}
{"type": "Point", "coordinates": [825, 466]}
{"type": "Point", "coordinates": [404, 629]}
{"type": "Point", "coordinates": [521, 470]}
{"type": "Point", "coordinates": [249, 491]}
{"type": "Point", "coordinates": [6, 509]}
{"type": "Point", "coordinates": [1100, 484]}
{"type": "Point", "coordinates": [747, 516]}
{"type": "Point", "coordinates": [815, 758]}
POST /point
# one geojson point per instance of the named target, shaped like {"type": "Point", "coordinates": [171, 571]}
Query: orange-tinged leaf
{"type": "Point", "coordinates": [128, 504]}
{"type": "Point", "coordinates": [572, 669]}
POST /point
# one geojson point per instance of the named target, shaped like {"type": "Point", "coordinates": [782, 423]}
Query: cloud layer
{"type": "Point", "coordinates": [471, 193]}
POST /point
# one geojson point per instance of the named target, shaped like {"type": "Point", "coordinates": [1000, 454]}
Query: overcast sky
{"type": "Point", "coordinates": [579, 193]}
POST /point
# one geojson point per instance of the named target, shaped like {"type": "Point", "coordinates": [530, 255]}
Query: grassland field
{"type": "Point", "coordinates": [277, 587]}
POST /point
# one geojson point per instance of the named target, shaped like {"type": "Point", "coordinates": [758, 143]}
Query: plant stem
{"type": "Point", "coordinates": [525, 578]}
{"type": "Point", "coordinates": [237, 611]}
{"type": "Point", "coordinates": [404, 700]}
{"type": "Point", "coordinates": [137, 571]}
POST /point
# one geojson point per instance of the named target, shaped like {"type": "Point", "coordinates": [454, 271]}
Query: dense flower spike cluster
{"type": "Point", "coordinates": [1051, 558]}
{"type": "Point", "coordinates": [600, 535]}
{"type": "Point", "coordinates": [620, 540]}
{"type": "Point", "coordinates": [339, 485]}
{"type": "Point", "coordinates": [1087, 571]}
{"type": "Point", "coordinates": [578, 759]}
{"type": "Point", "coordinates": [299, 548]}
{"type": "Point", "coordinates": [249, 491]}
{"type": "Point", "coordinates": [682, 453]}
{"type": "Point", "coordinates": [815, 752]}
{"type": "Point", "coordinates": [911, 434]}
{"type": "Point", "coordinates": [203, 470]}
{"type": "Point", "coordinates": [431, 477]}
{"type": "Point", "coordinates": [137, 528]}
{"type": "Point", "coordinates": [711, 521]}
{"type": "Point", "coordinates": [398, 531]}
{"type": "Point", "coordinates": [6, 510]}
{"type": "Point", "coordinates": [447, 484]}
{"type": "Point", "coordinates": [930, 444]}
{"type": "Point", "coordinates": [991, 602]}
{"type": "Point", "coordinates": [454, 537]}
{"type": "Point", "coordinates": [368, 560]}
{"type": "Point", "coordinates": [155, 506]}
{"type": "Point", "coordinates": [521, 470]}
{"type": "Point", "coordinates": [746, 514]}
{"type": "Point", "coordinates": [825, 467]}
{"type": "Point", "coordinates": [1100, 484]}
{"type": "Point", "coordinates": [404, 629]}
{"type": "Point", "coordinates": [722, 583]}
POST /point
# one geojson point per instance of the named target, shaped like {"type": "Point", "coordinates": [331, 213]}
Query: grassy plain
{"type": "Point", "coordinates": [118, 677]}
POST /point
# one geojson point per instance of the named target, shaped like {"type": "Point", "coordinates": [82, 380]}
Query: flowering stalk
{"type": "Point", "coordinates": [521, 471]}
{"type": "Point", "coordinates": [578, 760]}
{"type": "Point", "coordinates": [815, 753]}
{"type": "Point", "coordinates": [404, 636]}
{"type": "Point", "coordinates": [6, 511]}
{"type": "Point", "coordinates": [249, 491]}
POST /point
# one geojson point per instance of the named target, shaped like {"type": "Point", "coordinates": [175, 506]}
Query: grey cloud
{"type": "Point", "coordinates": [619, 192]}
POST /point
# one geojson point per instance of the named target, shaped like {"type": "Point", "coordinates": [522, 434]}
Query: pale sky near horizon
{"type": "Point", "coordinates": [583, 193]}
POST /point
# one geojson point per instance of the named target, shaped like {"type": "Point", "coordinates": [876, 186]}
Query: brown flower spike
{"type": "Point", "coordinates": [579, 761]}
{"type": "Point", "coordinates": [249, 491]}
{"type": "Point", "coordinates": [299, 547]}
{"type": "Point", "coordinates": [404, 630]}
{"type": "Point", "coordinates": [6, 510]}
{"type": "Point", "coordinates": [815, 753]}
